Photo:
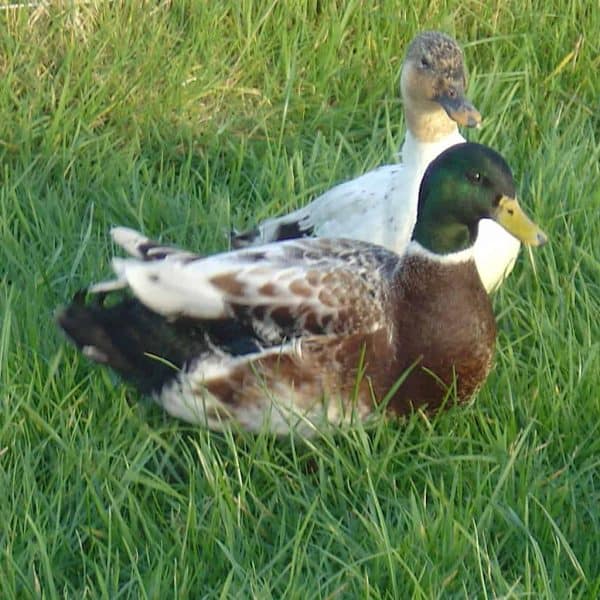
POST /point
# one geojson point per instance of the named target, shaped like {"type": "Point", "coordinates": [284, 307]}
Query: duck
{"type": "Point", "coordinates": [380, 206]}
{"type": "Point", "coordinates": [304, 333]}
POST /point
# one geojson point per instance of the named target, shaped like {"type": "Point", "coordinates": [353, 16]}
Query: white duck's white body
{"type": "Point", "coordinates": [380, 207]}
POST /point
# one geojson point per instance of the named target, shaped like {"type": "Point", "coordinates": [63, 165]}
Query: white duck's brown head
{"type": "Point", "coordinates": [433, 87]}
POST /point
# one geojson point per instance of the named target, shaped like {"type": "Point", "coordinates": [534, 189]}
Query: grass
{"type": "Point", "coordinates": [186, 118]}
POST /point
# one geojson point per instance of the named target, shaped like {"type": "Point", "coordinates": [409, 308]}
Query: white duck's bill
{"type": "Point", "coordinates": [460, 109]}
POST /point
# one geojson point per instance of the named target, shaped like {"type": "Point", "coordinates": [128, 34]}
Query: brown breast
{"type": "Point", "coordinates": [444, 328]}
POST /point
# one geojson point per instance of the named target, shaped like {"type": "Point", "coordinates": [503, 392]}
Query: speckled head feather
{"type": "Point", "coordinates": [438, 50]}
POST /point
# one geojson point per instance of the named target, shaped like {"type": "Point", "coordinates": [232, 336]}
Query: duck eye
{"type": "Point", "coordinates": [475, 177]}
{"type": "Point", "coordinates": [425, 63]}
{"type": "Point", "coordinates": [451, 93]}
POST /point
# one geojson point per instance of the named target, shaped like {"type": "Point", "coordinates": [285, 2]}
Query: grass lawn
{"type": "Point", "coordinates": [186, 118]}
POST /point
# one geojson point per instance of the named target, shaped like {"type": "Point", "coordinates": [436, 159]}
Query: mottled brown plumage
{"type": "Point", "coordinates": [426, 334]}
{"type": "Point", "coordinates": [326, 343]}
{"type": "Point", "coordinates": [305, 332]}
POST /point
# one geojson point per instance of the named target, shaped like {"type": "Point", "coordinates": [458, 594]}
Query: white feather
{"type": "Point", "coordinates": [171, 288]}
{"type": "Point", "coordinates": [454, 258]}
{"type": "Point", "coordinates": [495, 251]}
{"type": "Point", "coordinates": [129, 239]}
{"type": "Point", "coordinates": [142, 247]}
{"type": "Point", "coordinates": [111, 285]}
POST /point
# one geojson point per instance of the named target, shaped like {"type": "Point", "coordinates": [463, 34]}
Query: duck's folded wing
{"type": "Point", "coordinates": [353, 209]}
{"type": "Point", "coordinates": [280, 291]}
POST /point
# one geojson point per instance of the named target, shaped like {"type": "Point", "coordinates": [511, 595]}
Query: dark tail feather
{"type": "Point", "coordinates": [243, 239]}
{"type": "Point", "coordinates": [290, 230]}
{"type": "Point", "coordinates": [140, 345]}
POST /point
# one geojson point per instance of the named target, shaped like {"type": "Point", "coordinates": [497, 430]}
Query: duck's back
{"type": "Point", "coordinates": [379, 207]}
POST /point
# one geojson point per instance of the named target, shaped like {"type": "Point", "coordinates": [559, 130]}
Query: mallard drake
{"type": "Point", "coordinates": [304, 331]}
{"type": "Point", "coordinates": [380, 206]}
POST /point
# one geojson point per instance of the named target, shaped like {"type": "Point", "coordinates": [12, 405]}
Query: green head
{"type": "Point", "coordinates": [467, 183]}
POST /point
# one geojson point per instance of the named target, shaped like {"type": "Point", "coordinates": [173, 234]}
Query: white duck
{"type": "Point", "coordinates": [380, 206]}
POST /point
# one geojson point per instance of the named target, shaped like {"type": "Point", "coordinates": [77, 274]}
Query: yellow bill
{"type": "Point", "coordinates": [511, 216]}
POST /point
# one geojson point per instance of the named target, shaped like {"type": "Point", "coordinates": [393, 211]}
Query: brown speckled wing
{"type": "Point", "coordinates": [312, 287]}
